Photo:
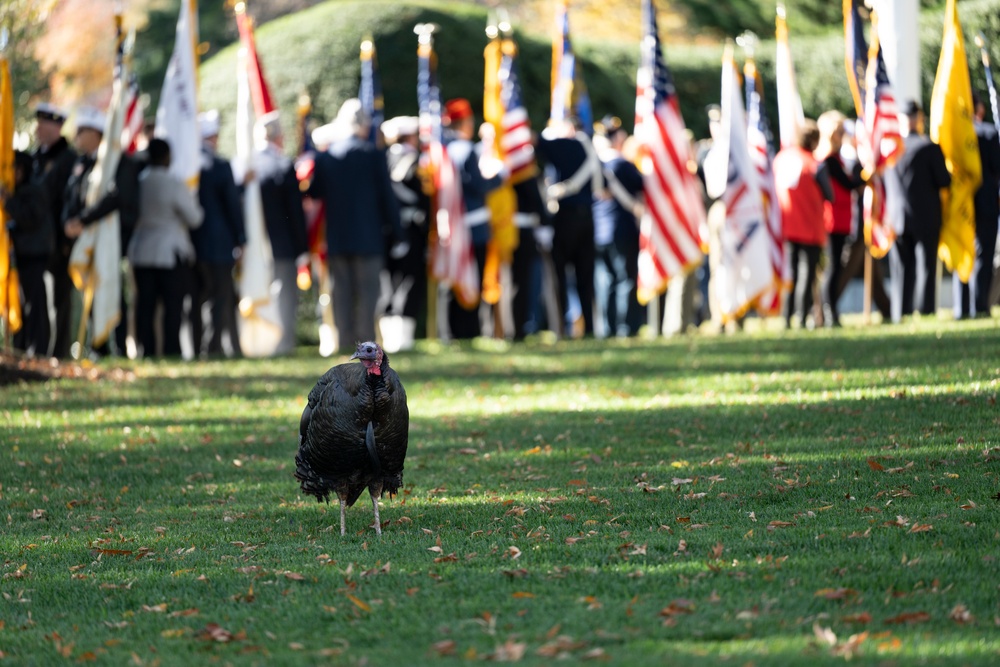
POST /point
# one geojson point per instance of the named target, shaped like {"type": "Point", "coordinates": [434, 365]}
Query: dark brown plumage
{"type": "Point", "coordinates": [353, 432]}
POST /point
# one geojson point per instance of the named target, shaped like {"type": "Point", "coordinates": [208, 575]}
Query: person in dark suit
{"type": "Point", "coordinates": [52, 164]}
{"type": "Point", "coordinates": [914, 183]}
{"type": "Point", "coordinates": [285, 220]}
{"type": "Point", "coordinates": [617, 240]}
{"type": "Point", "coordinates": [33, 237]}
{"type": "Point", "coordinates": [975, 301]}
{"type": "Point", "coordinates": [219, 245]}
{"type": "Point", "coordinates": [362, 215]}
{"type": "Point", "coordinates": [476, 185]}
{"type": "Point", "coordinates": [123, 198]}
{"type": "Point", "coordinates": [573, 172]}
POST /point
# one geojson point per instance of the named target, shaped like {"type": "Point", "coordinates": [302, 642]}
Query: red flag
{"type": "Point", "coordinates": [259, 92]}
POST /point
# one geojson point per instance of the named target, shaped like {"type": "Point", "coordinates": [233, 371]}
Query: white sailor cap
{"type": "Point", "coordinates": [48, 111]}
{"type": "Point", "coordinates": [208, 123]}
{"type": "Point", "coordinates": [400, 126]}
{"type": "Point", "coordinates": [90, 118]}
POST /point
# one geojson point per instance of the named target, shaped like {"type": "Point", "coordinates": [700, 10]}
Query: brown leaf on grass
{"type": "Point", "coordinates": [968, 506]}
{"type": "Point", "coordinates": [875, 465]}
{"type": "Point", "coordinates": [909, 618]}
{"type": "Point", "coordinates": [863, 618]}
{"type": "Point", "coordinates": [596, 653]}
{"type": "Point", "coordinates": [509, 651]}
{"type": "Point", "coordinates": [779, 524]}
{"type": "Point", "coordinates": [824, 635]}
{"type": "Point", "coordinates": [444, 647]}
{"type": "Point", "coordinates": [836, 593]}
{"type": "Point", "coordinates": [515, 574]}
{"type": "Point", "coordinates": [450, 558]}
{"type": "Point", "coordinates": [360, 604]}
{"type": "Point", "coordinates": [677, 607]}
{"type": "Point", "coordinates": [183, 612]}
{"type": "Point", "coordinates": [900, 469]}
{"type": "Point", "coordinates": [294, 576]}
{"type": "Point", "coordinates": [560, 647]}
{"type": "Point", "coordinates": [717, 550]}
{"type": "Point", "coordinates": [961, 614]}
{"type": "Point", "coordinates": [114, 552]}
{"type": "Point", "coordinates": [512, 552]}
{"type": "Point", "coordinates": [156, 608]}
{"type": "Point", "coordinates": [522, 594]}
{"type": "Point", "coordinates": [921, 528]}
{"type": "Point", "coordinates": [591, 602]}
{"type": "Point", "coordinates": [213, 632]}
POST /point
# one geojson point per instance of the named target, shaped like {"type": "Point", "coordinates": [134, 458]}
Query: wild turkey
{"type": "Point", "coordinates": [353, 432]}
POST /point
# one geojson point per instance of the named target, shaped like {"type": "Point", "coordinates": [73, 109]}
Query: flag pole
{"type": "Point", "coordinates": [7, 333]}
{"type": "Point", "coordinates": [425, 36]}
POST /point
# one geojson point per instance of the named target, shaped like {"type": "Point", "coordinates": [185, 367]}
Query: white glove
{"type": "Point", "coordinates": [556, 191]}
{"type": "Point", "coordinates": [543, 237]}
{"type": "Point", "coordinates": [399, 250]}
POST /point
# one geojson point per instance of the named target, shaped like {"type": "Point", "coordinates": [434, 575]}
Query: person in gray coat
{"type": "Point", "coordinates": [161, 251]}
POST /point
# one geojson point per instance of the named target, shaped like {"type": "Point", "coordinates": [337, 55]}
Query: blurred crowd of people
{"type": "Point", "coordinates": [574, 267]}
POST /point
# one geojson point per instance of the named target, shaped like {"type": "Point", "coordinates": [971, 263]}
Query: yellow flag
{"type": "Point", "coordinates": [501, 202]}
{"type": "Point", "coordinates": [10, 297]}
{"type": "Point", "coordinates": [951, 127]}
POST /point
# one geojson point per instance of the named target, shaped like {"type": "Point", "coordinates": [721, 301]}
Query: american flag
{"type": "Point", "coordinates": [135, 108]}
{"type": "Point", "coordinates": [452, 261]}
{"type": "Point", "coordinates": [878, 137]}
{"type": "Point", "coordinates": [670, 235]}
{"type": "Point", "coordinates": [569, 93]}
{"type": "Point", "coordinates": [518, 151]}
{"type": "Point", "coordinates": [759, 142]}
{"type": "Point", "coordinates": [370, 92]}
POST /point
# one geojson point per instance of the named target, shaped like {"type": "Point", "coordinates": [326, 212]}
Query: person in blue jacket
{"type": "Point", "coordinates": [362, 219]}
{"type": "Point", "coordinates": [219, 245]}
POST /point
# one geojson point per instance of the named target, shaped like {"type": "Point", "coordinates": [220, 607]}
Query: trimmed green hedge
{"type": "Point", "coordinates": [316, 50]}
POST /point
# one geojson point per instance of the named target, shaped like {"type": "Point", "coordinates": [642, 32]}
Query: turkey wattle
{"type": "Point", "coordinates": [353, 432]}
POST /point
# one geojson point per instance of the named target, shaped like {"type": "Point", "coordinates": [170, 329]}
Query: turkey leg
{"type": "Point", "coordinates": [378, 521]}
{"type": "Point", "coordinates": [343, 524]}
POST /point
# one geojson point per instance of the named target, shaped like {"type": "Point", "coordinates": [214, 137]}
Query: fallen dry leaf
{"type": "Point", "coordinates": [960, 614]}
{"type": "Point", "coordinates": [444, 647]}
{"type": "Point", "coordinates": [363, 606]}
{"type": "Point", "coordinates": [909, 618]}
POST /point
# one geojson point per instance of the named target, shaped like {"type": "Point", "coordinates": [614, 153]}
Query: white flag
{"type": "Point", "coordinates": [177, 114]}
{"type": "Point", "coordinates": [260, 322]}
{"type": "Point", "coordinates": [790, 115]}
{"type": "Point", "coordinates": [744, 272]}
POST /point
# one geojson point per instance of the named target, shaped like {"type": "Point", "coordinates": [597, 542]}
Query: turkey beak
{"type": "Point", "coordinates": [354, 356]}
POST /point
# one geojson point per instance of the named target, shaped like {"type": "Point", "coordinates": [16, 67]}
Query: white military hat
{"type": "Point", "coordinates": [208, 123]}
{"type": "Point", "coordinates": [90, 118]}
{"type": "Point", "coordinates": [49, 111]}
{"type": "Point", "coordinates": [400, 126]}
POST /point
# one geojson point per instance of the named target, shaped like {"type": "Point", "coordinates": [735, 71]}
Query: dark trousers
{"type": "Point", "coordinates": [62, 301]}
{"type": "Point", "coordinates": [834, 269]}
{"type": "Point", "coordinates": [521, 277]}
{"type": "Point", "coordinates": [466, 324]}
{"type": "Point", "coordinates": [166, 286]}
{"type": "Point", "coordinates": [33, 338]}
{"type": "Point", "coordinates": [354, 284]}
{"type": "Point", "coordinates": [803, 260]}
{"type": "Point", "coordinates": [982, 276]}
{"type": "Point", "coordinates": [903, 275]}
{"type": "Point", "coordinates": [573, 246]}
{"type": "Point", "coordinates": [216, 290]}
{"type": "Point", "coordinates": [854, 266]}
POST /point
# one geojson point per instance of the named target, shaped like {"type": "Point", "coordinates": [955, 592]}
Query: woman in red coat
{"type": "Point", "coordinates": [802, 185]}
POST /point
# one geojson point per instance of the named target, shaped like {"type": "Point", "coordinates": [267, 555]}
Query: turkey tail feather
{"type": "Point", "coordinates": [372, 452]}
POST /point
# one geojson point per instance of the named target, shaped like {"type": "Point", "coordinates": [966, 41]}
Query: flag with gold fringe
{"type": "Point", "coordinates": [452, 261]}
{"type": "Point", "coordinates": [790, 115]}
{"type": "Point", "coordinates": [569, 96]}
{"type": "Point", "coordinates": [177, 113]}
{"type": "Point", "coordinates": [94, 262]}
{"type": "Point", "coordinates": [951, 127]}
{"type": "Point", "coordinates": [502, 202]}
{"type": "Point", "coordinates": [10, 298]}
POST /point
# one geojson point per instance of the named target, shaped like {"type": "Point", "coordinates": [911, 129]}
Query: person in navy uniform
{"type": "Point", "coordinates": [916, 181]}
{"type": "Point", "coordinates": [219, 245]}
{"type": "Point", "coordinates": [617, 233]}
{"type": "Point", "coordinates": [123, 198]}
{"type": "Point", "coordinates": [52, 163]}
{"type": "Point", "coordinates": [975, 301]}
{"type": "Point", "coordinates": [362, 219]}
{"type": "Point", "coordinates": [573, 173]}
{"type": "Point", "coordinates": [461, 126]}
{"type": "Point", "coordinates": [404, 282]}
{"type": "Point", "coordinates": [285, 220]}
{"type": "Point", "coordinates": [33, 238]}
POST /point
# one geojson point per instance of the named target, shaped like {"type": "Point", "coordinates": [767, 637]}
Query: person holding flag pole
{"type": "Point", "coordinates": [104, 219]}
{"type": "Point", "coordinates": [879, 141]}
{"type": "Point", "coordinates": [951, 127]}
{"type": "Point", "coordinates": [452, 262]}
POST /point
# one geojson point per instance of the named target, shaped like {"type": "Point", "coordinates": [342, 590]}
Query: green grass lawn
{"type": "Point", "coordinates": [764, 499]}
